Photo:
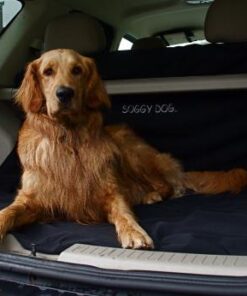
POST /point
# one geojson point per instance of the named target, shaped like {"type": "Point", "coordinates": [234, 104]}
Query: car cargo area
{"type": "Point", "coordinates": [188, 101]}
{"type": "Point", "coordinates": [205, 131]}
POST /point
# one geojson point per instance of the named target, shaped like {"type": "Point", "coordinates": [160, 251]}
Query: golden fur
{"type": "Point", "coordinates": [76, 169]}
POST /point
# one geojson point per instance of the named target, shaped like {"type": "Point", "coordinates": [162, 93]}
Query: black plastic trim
{"type": "Point", "coordinates": [14, 267]}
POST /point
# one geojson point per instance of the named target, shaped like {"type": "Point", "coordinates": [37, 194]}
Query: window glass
{"type": "Point", "coordinates": [8, 10]}
{"type": "Point", "coordinates": [200, 42]}
{"type": "Point", "coordinates": [125, 44]}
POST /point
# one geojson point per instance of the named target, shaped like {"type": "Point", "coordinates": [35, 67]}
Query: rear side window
{"type": "Point", "coordinates": [8, 10]}
{"type": "Point", "coordinates": [125, 44]}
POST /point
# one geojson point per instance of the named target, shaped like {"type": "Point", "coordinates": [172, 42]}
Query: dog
{"type": "Point", "coordinates": [77, 169]}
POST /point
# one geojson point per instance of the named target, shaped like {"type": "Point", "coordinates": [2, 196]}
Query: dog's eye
{"type": "Point", "coordinates": [48, 72]}
{"type": "Point", "coordinates": [76, 70]}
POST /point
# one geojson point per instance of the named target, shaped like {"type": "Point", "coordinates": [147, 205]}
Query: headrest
{"type": "Point", "coordinates": [226, 21]}
{"type": "Point", "coordinates": [75, 31]}
{"type": "Point", "coordinates": [148, 43]}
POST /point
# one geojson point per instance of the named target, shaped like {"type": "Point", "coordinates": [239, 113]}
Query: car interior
{"type": "Point", "coordinates": [182, 86]}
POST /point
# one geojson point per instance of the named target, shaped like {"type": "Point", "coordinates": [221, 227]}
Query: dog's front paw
{"type": "Point", "coordinates": [178, 190]}
{"type": "Point", "coordinates": [152, 197]}
{"type": "Point", "coordinates": [135, 239]}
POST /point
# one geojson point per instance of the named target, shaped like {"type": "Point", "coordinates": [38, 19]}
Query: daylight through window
{"type": "Point", "coordinates": [8, 10]}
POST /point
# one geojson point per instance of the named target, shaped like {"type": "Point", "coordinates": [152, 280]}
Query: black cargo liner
{"type": "Point", "coordinates": [206, 131]}
{"type": "Point", "coordinates": [193, 60]}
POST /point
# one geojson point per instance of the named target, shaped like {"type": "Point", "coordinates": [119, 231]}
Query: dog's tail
{"type": "Point", "coordinates": [216, 182]}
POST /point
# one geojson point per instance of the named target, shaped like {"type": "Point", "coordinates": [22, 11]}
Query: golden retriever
{"type": "Point", "coordinates": [76, 169]}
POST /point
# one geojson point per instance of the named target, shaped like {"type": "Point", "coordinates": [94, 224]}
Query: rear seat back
{"type": "Point", "coordinates": [9, 126]}
{"type": "Point", "coordinates": [226, 21]}
{"type": "Point", "coordinates": [205, 130]}
{"type": "Point", "coordinates": [148, 43]}
{"type": "Point", "coordinates": [212, 59]}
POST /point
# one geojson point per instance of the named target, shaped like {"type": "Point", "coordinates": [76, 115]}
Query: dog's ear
{"type": "Point", "coordinates": [96, 94]}
{"type": "Point", "coordinates": [29, 95]}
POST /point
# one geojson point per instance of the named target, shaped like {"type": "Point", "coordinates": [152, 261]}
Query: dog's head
{"type": "Point", "coordinates": [62, 83]}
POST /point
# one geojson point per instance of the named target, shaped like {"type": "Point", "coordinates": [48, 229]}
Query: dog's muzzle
{"type": "Point", "coordinates": [65, 94]}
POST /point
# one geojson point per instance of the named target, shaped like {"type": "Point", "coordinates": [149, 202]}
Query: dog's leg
{"type": "Point", "coordinates": [216, 182]}
{"type": "Point", "coordinates": [130, 233]}
{"type": "Point", "coordinates": [22, 211]}
{"type": "Point", "coordinates": [172, 171]}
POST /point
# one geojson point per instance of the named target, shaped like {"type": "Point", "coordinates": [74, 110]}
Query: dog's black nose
{"type": "Point", "coordinates": [64, 94]}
